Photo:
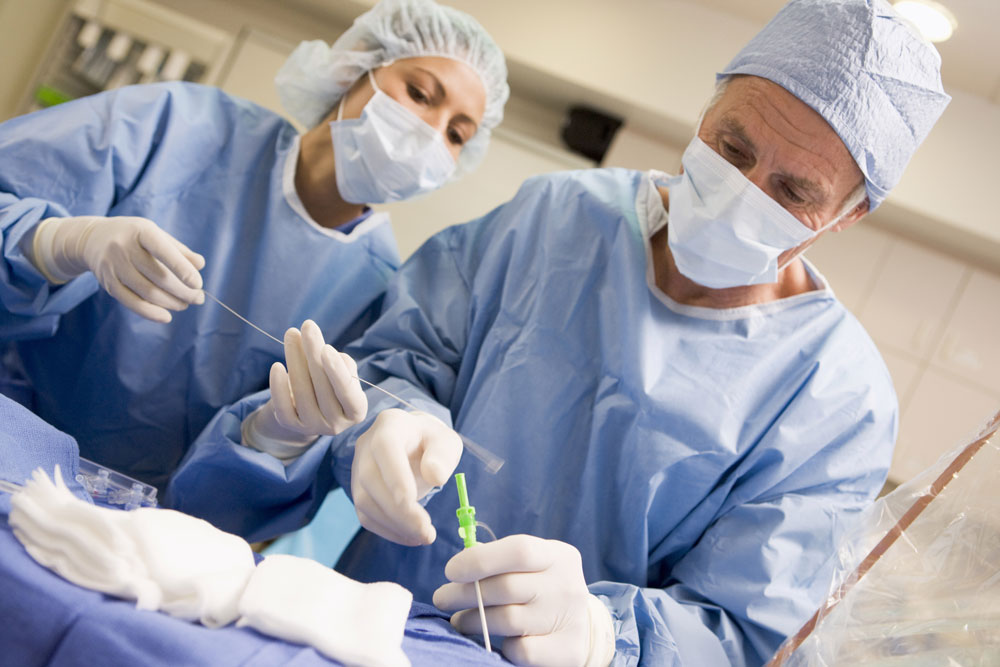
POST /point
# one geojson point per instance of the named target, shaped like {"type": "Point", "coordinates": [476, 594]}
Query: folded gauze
{"type": "Point", "coordinates": [302, 601]}
{"type": "Point", "coordinates": [171, 562]}
{"type": "Point", "coordinates": [162, 559]}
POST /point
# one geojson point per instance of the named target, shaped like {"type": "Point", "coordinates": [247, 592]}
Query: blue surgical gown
{"type": "Point", "coordinates": [703, 461]}
{"type": "Point", "coordinates": [215, 172]}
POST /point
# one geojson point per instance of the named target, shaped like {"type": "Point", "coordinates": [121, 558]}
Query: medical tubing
{"type": "Point", "coordinates": [216, 299]}
{"type": "Point", "coordinates": [918, 506]}
{"type": "Point", "coordinates": [10, 487]}
{"type": "Point", "coordinates": [491, 461]}
{"type": "Point", "coordinates": [480, 524]}
{"type": "Point", "coordinates": [482, 618]}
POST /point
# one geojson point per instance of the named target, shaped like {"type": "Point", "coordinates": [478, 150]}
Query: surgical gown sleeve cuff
{"type": "Point", "coordinates": [602, 634]}
{"type": "Point", "coordinates": [648, 623]}
{"type": "Point", "coordinates": [30, 302]}
{"type": "Point", "coordinates": [40, 252]}
{"type": "Point", "coordinates": [283, 450]}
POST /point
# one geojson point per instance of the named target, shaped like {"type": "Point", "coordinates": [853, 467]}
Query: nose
{"type": "Point", "coordinates": [440, 119]}
{"type": "Point", "coordinates": [437, 119]}
{"type": "Point", "coordinates": [756, 175]}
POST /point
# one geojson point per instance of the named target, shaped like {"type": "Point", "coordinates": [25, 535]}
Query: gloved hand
{"type": "Point", "coordinates": [535, 595]}
{"type": "Point", "coordinates": [319, 394]}
{"type": "Point", "coordinates": [397, 461]}
{"type": "Point", "coordinates": [136, 262]}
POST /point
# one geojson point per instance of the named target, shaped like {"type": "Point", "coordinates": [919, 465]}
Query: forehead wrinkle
{"type": "Point", "coordinates": [803, 142]}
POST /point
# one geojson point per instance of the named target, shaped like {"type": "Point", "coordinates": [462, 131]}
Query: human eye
{"type": "Point", "coordinates": [456, 137]}
{"type": "Point", "coordinates": [416, 94]}
{"type": "Point", "coordinates": [733, 153]}
{"type": "Point", "coordinates": [791, 194]}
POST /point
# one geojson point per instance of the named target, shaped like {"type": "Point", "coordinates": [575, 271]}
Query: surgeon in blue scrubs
{"type": "Point", "coordinates": [116, 210]}
{"type": "Point", "coordinates": [689, 416]}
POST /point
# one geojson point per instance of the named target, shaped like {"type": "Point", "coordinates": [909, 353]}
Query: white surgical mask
{"type": "Point", "coordinates": [723, 230]}
{"type": "Point", "coordinates": [388, 154]}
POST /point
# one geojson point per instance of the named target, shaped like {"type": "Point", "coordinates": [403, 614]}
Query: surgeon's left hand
{"type": "Point", "coordinates": [535, 595]}
{"type": "Point", "coordinates": [397, 462]}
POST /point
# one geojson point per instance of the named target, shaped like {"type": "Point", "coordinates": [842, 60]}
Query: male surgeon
{"type": "Point", "coordinates": [689, 416]}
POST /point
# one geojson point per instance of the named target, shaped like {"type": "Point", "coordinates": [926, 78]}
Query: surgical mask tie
{"type": "Point", "coordinates": [723, 230]}
{"type": "Point", "coordinates": [388, 154]}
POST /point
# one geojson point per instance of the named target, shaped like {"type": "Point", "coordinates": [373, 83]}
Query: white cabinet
{"type": "Point", "coordinates": [105, 44]}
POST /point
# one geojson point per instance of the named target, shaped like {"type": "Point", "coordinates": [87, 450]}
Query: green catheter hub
{"type": "Point", "coordinates": [466, 513]}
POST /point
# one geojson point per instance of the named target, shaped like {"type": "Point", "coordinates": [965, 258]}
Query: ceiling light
{"type": "Point", "coordinates": [932, 19]}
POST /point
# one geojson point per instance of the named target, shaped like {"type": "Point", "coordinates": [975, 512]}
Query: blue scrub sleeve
{"type": "Point", "coordinates": [245, 491]}
{"type": "Point", "coordinates": [73, 159]}
{"type": "Point", "coordinates": [254, 495]}
{"type": "Point", "coordinates": [765, 564]}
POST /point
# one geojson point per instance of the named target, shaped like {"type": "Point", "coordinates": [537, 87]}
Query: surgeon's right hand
{"type": "Point", "coordinates": [319, 394]}
{"type": "Point", "coordinates": [136, 262]}
{"type": "Point", "coordinates": [397, 461]}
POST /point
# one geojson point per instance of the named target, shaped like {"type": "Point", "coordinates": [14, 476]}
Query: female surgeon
{"type": "Point", "coordinates": [118, 208]}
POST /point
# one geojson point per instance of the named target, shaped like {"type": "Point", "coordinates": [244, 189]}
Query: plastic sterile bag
{"type": "Point", "coordinates": [918, 580]}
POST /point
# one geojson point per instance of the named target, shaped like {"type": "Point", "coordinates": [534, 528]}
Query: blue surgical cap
{"type": "Point", "coordinates": [874, 79]}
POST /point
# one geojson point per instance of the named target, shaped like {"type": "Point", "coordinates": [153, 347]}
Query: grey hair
{"type": "Point", "coordinates": [855, 198]}
{"type": "Point", "coordinates": [720, 89]}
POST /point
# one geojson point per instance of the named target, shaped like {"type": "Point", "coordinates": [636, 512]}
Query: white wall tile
{"type": "Point", "coordinates": [905, 372]}
{"type": "Point", "coordinates": [912, 296]}
{"type": "Point", "coordinates": [851, 260]}
{"type": "Point", "coordinates": [943, 414]}
{"type": "Point", "coordinates": [970, 346]}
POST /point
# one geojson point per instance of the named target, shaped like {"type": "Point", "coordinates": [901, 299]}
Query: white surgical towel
{"type": "Point", "coordinates": [200, 570]}
{"type": "Point", "coordinates": [162, 559]}
{"type": "Point", "coordinates": [299, 600]}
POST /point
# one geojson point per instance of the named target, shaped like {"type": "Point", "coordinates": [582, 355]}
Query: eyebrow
{"type": "Point", "coordinates": [440, 93]}
{"type": "Point", "coordinates": [736, 128]}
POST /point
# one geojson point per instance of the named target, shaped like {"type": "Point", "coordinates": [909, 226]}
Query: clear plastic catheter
{"type": "Point", "coordinates": [491, 461]}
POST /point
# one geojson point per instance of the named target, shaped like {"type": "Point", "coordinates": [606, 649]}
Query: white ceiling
{"type": "Point", "coordinates": [970, 60]}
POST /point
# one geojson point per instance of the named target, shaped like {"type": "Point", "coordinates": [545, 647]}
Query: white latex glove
{"type": "Point", "coordinates": [136, 262]}
{"type": "Point", "coordinates": [535, 595]}
{"type": "Point", "coordinates": [319, 394]}
{"type": "Point", "coordinates": [397, 461]}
